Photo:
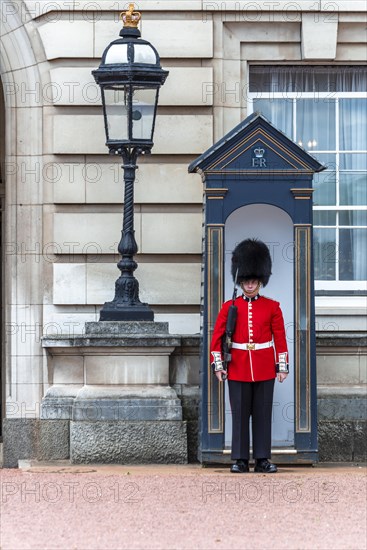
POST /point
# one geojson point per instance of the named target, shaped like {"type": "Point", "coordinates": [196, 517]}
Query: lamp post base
{"type": "Point", "coordinates": [119, 312]}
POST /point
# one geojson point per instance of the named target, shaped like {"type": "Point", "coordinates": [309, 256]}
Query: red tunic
{"type": "Point", "coordinates": [258, 321]}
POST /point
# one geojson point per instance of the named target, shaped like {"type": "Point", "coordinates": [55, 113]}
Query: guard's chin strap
{"type": "Point", "coordinates": [257, 289]}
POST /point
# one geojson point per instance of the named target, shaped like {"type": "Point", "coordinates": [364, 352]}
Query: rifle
{"type": "Point", "coordinates": [230, 326]}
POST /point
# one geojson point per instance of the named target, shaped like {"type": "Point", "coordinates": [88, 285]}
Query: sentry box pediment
{"type": "Point", "coordinates": [256, 163]}
{"type": "Point", "coordinates": [255, 148]}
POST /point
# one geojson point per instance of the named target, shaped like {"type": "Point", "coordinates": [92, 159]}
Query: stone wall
{"type": "Point", "coordinates": [342, 396]}
{"type": "Point", "coordinates": [342, 410]}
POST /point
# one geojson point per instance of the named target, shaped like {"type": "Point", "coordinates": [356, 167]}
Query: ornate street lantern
{"type": "Point", "coordinates": [130, 76]}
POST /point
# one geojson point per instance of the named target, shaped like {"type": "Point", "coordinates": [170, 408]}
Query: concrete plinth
{"type": "Point", "coordinates": [118, 400]}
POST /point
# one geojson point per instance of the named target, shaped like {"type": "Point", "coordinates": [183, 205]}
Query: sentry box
{"type": "Point", "coordinates": [258, 184]}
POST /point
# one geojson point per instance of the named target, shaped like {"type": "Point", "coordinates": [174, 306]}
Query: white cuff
{"type": "Point", "coordinates": [217, 361]}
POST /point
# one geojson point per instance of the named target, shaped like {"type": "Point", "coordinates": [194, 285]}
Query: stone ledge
{"type": "Point", "coordinates": [323, 339]}
{"type": "Point", "coordinates": [342, 339]}
{"type": "Point", "coordinates": [342, 391]}
{"type": "Point", "coordinates": [116, 328]}
{"type": "Point", "coordinates": [190, 340]}
{"type": "Point", "coordinates": [104, 341]}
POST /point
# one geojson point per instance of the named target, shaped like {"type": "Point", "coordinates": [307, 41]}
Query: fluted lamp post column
{"type": "Point", "coordinates": [130, 76]}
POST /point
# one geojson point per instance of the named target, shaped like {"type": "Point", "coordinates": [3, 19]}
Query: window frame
{"type": "Point", "coordinates": [336, 285]}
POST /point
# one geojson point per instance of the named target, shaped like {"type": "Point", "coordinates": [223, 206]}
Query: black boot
{"type": "Point", "coordinates": [263, 466]}
{"type": "Point", "coordinates": [241, 466]}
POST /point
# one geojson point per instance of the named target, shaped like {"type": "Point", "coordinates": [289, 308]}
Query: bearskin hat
{"type": "Point", "coordinates": [252, 259]}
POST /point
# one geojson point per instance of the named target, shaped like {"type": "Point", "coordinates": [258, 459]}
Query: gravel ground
{"type": "Point", "coordinates": [182, 507]}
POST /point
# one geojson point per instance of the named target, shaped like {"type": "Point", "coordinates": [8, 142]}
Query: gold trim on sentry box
{"type": "Point", "coordinates": [265, 135]}
{"type": "Point", "coordinates": [218, 291]}
{"type": "Point", "coordinates": [303, 293]}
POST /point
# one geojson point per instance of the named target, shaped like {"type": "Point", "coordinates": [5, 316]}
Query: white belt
{"type": "Point", "coordinates": [252, 346]}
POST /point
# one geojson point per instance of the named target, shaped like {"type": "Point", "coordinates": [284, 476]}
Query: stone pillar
{"type": "Point", "coordinates": [120, 405]}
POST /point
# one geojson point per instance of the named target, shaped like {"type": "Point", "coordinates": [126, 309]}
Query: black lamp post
{"type": "Point", "coordinates": [130, 76]}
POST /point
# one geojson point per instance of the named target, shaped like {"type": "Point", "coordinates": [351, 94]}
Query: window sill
{"type": "Point", "coordinates": [341, 305]}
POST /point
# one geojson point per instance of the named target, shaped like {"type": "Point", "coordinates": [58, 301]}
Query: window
{"type": "Point", "coordinates": [324, 110]}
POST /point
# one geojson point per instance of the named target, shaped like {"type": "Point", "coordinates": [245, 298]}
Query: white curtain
{"type": "Point", "coordinates": [275, 78]}
{"type": "Point", "coordinates": [316, 131]}
{"type": "Point", "coordinates": [353, 186]}
{"type": "Point", "coordinates": [278, 112]}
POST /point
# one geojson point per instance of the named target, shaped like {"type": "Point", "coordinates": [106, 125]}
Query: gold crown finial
{"type": "Point", "coordinates": [130, 17]}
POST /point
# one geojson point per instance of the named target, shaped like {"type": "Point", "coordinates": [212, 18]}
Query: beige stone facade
{"type": "Point", "coordinates": [62, 193]}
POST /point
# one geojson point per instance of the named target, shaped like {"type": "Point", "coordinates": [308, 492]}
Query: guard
{"type": "Point", "coordinates": [256, 354]}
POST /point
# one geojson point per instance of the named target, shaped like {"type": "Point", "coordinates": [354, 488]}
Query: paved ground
{"type": "Point", "coordinates": [182, 507]}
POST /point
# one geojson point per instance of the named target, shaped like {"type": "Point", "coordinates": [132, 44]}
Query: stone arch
{"type": "Point", "coordinates": [21, 144]}
{"type": "Point", "coordinates": [2, 199]}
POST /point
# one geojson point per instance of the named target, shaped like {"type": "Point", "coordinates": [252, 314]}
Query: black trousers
{"type": "Point", "coordinates": [253, 399]}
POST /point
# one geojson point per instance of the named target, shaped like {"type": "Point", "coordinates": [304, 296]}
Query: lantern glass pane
{"type": "Point", "coordinates": [117, 111]}
{"type": "Point", "coordinates": [143, 112]}
{"type": "Point", "coordinates": [144, 53]}
{"type": "Point", "coordinates": [117, 53]}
